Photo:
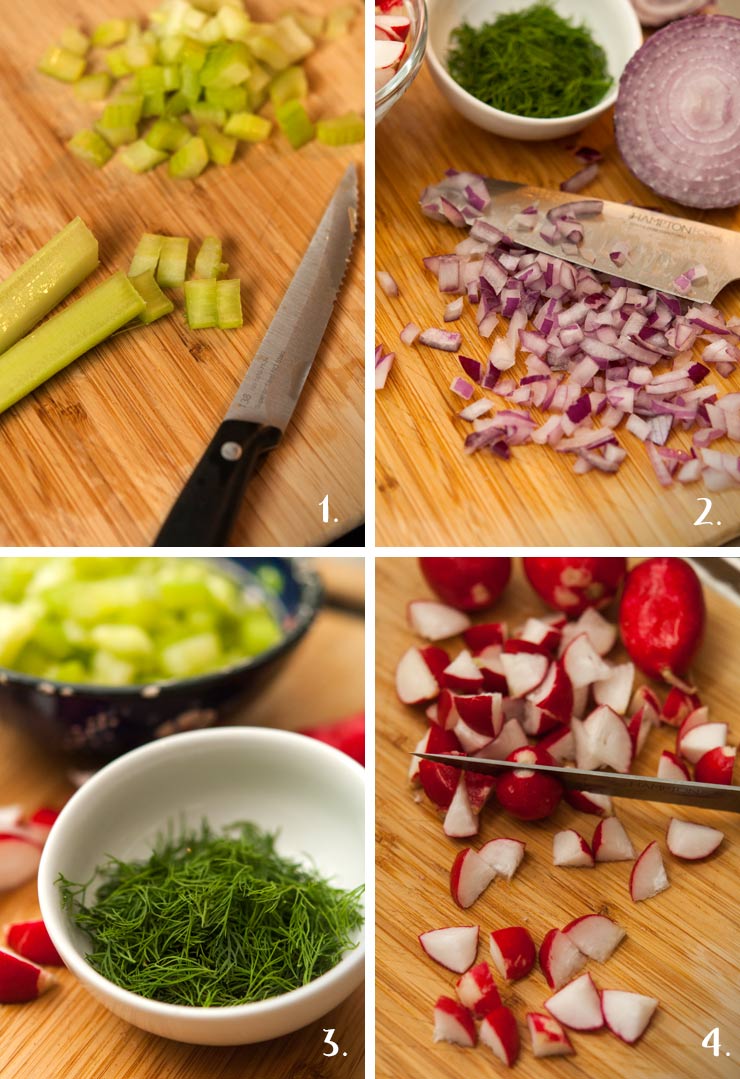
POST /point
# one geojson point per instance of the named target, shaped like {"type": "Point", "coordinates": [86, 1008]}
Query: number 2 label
{"type": "Point", "coordinates": [701, 519]}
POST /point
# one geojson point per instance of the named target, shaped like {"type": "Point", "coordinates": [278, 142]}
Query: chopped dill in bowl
{"type": "Point", "coordinates": [530, 63]}
{"type": "Point", "coordinates": [213, 919]}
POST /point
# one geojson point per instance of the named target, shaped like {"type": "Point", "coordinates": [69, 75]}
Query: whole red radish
{"type": "Point", "coordinates": [661, 617]}
{"type": "Point", "coordinates": [470, 584]}
{"type": "Point", "coordinates": [573, 584]}
{"type": "Point", "coordinates": [347, 735]}
{"type": "Point", "coordinates": [526, 794]}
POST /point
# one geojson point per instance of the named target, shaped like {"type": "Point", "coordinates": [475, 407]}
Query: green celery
{"type": "Point", "coordinates": [190, 86]}
{"type": "Point", "coordinates": [67, 336]}
{"type": "Point", "coordinates": [62, 64]}
{"type": "Point", "coordinates": [117, 62]}
{"type": "Point", "coordinates": [193, 54]}
{"type": "Point", "coordinates": [146, 256]}
{"type": "Point", "coordinates": [177, 105]}
{"type": "Point", "coordinates": [173, 262]}
{"type": "Point", "coordinates": [266, 49]}
{"type": "Point", "coordinates": [288, 85]}
{"type": "Point", "coordinates": [118, 136]}
{"type": "Point", "coordinates": [235, 24]}
{"type": "Point", "coordinates": [339, 21]}
{"type": "Point", "coordinates": [93, 87]}
{"type": "Point", "coordinates": [73, 40]}
{"type": "Point", "coordinates": [208, 259]}
{"type": "Point", "coordinates": [43, 281]}
{"type": "Point", "coordinates": [140, 157]}
{"type": "Point", "coordinates": [140, 54]}
{"type": "Point", "coordinates": [154, 104]}
{"type": "Point", "coordinates": [123, 111]}
{"type": "Point", "coordinates": [204, 113]}
{"type": "Point", "coordinates": [248, 127]}
{"type": "Point", "coordinates": [190, 160]}
{"type": "Point", "coordinates": [256, 85]}
{"type": "Point", "coordinates": [111, 32]}
{"type": "Point", "coordinates": [90, 146]}
{"type": "Point", "coordinates": [212, 33]}
{"type": "Point", "coordinates": [227, 65]}
{"type": "Point", "coordinates": [229, 304]}
{"type": "Point", "coordinates": [342, 130]}
{"type": "Point", "coordinates": [200, 304]}
{"type": "Point", "coordinates": [220, 147]}
{"type": "Point", "coordinates": [294, 42]}
{"type": "Point", "coordinates": [149, 80]}
{"type": "Point", "coordinates": [171, 77]}
{"type": "Point", "coordinates": [157, 304]}
{"type": "Point", "coordinates": [294, 123]}
{"type": "Point", "coordinates": [170, 49]}
{"type": "Point", "coordinates": [223, 269]}
{"type": "Point", "coordinates": [233, 98]}
{"type": "Point", "coordinates": [313, 25]}
{"type": "Point", "coordinates": [167, 134]}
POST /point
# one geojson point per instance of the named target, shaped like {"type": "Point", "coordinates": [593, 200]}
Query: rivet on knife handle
{"type": "Point", "coordinates": [204, 512]}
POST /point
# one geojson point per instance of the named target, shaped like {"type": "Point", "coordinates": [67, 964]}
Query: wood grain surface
{"type": "Point", "coordinates": [428, 491]}
{"type": "Point", "coordinates": [682, 946]}
{"type": "Point", "coordinates": [65, 1034]}
{"type": "Point", "coordinates": [98, 455]}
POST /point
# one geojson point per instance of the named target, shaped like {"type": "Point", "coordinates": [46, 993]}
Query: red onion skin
{"type": "Point", "coordinates": [659, 12]}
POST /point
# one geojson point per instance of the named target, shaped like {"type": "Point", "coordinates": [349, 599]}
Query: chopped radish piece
{"type": "Point", "coordinates": [32, 941]}
{"type": "Point", "coordinates": [460, 820]}
{"type": "Point", "coordinates": [648, 876]}
{"type": "Point", "coordinates": [500, 1033]}
{"type": "Point", "coordinates": [671, 767]}
{"type": "Point", "coordinates": [602, 740]}
{"type": "Point", "coordinates": [477, 990]}
{"type": "Point", "coordinates": [436, 740]}
{"type": "Point", "coordinates": [479, 788]}
{"type": "Point", "coordinates": [388, 53]}
{"type": "Point", "coordinates": [560, 959]}
{"type": "Point", "coordinates": [41, 821]}
{"type": "Point", "coordinates": [20, 855]}
{"type": "Point", "coordinates": [611, 843]}
{"type": "Point", "coordinates": [639, 728]}
{"type": "Point", "coordinates": [503, 855]}
{"type": "Point", "coordinates": [418, 673]}
{"type": "Point", "coordinates": [588, 802]}
{"type": "Point", "coordinates": [483, 712]}
{"type": "Point", "coordinates": [10, 816]}
{"type": "Point", "coordinates": [512, 737]}
{"type": "Point", "coordinates": [698, 718]}
{"type": "Point", "coordinates": [560, 744]}
{"type": "Point", "coordinates": [513, 952]}
{"type": "Point", "coordinates": [582, 663]}
{"type": "Point", "coordinates": [547, 1036]}
{"type": "Point", "coordinates": [627, 1014]}
{"type": "Point", "coordinates": [601, 633]}
{"type": "Point", "coordinates": [702, 739]}
{"type": "Point", "coordinates": [577, 1005]}
{"type": "Point", "coordinates": [439, 782]}
{"type": "Point", "coordinates": [554, 697]}
{"type": "Point", "coordinates": [595, 935]}
{"type": "Point", "coordinates": [692, 841]}
{"type": "Point", "coordinates": [525, 794]}
{"type": "Point", "coordinates": [678, 705]}
{"type": "Point", "coordinates": [644, 697]}
{"type": "Point", "coordinates": [453, 947]}
{"type": "Point", "coordinates": [453, 1022]}
{"type": "Point", "coordinates": [21, 980]}
{"type": "Point", "coordinates": [524, 671]}
{"type": "Point", "coordinates": [571, 849]}
{"type": "Point", "coordinates": [436, 621]}
{"type": "Point", "coordinates": [540, 632]}
{"type": "Point", "coordinates": [716, 766]}
{"type": "Point", "coordinates": [469, 877]}
{"type": "Point", "coordinates": [615, 691]}
{"type": "Point", "coordinates": [394, 25]}
{"type": "Point", "coordinates": [462, 674]}
{"type": "Point", "coordinates": [484, 635]}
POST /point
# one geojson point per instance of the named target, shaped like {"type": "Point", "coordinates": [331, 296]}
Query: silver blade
{"type": "Point", "coordinates": [660, 246]}
{"type": "Point", "coordinates": [616, 784]}
{"type": "Point", "coordinates": [271, 387]}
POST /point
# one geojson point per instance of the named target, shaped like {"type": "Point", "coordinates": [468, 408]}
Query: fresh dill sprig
{"type": "Point", "coordinates": [213, 919]}
{"type": "Point", "coordinates": [530, 63]}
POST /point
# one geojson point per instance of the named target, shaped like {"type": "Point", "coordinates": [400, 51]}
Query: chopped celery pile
{"type": "Point", "coordinates": [128, 621]}
{"type": "Point", "coordinates": [191, 81]}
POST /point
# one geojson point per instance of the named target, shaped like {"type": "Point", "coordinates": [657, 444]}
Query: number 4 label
{"type": "Point", "coordinates": [711, 1041]}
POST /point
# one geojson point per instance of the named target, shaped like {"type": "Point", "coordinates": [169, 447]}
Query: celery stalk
{"type": "Point", "coordinates": [227, 64]}
{"type": "Point", "coordinates": [118, 136]}
{"type": "Point", "coordinates": [294, 42]}
{"type": "Point", "coordinates": [294, 123]}
{"type": "Point", "coordinates": [173, 262]}
{"type": "Point", "coordinates": [289, 84]}
{"type": "Point", "coordinates": [153, 104]}
{"type": "Point", "coordinates": [157, 304]}
{"type": "Point", "coordinates": [204, 113]}
{"type": "Point", "coordinates": [247, 127]}
{"type": "Point", "coordinates": [73, 40]}
{"type": "Point", "coordinates": [122, 111]}
{"type": "Point", "coordinates": [67, 336]}
{"type": "Point", "coordinates": [190, 160]}
{"type": "Point", "coordinates": [342, 130]}
{"type": "Point", "coordinates": [62, 64]}
{"type": "Point", "coordinates": [256, 85]}
{"type": "Point", "coordinates": [111, 32]}
{"type": "Point", "coordinates": [170, 49]}
{"type": "Point", "coordinates": [220, 147]}
{"type": "Point", "coordinates": [91, 147]}
{"type": "Point", "coordinates": [146, 255]}
{"type": "Point", "coordinates": [266, 49]}
{"type": "Point", "coordinates": [167, 135]}
{"type": "Point", "coordinates": [229, 304]}
{"type": "Point", "coordinates": [93, 87]}
{"type": "Point", "coordinates": [140, 157]}
{"type": "Point", "coordinates": [190, 86]}
{"type": "Point", "coordinates": [117, 63]}
{"type": "Point", "coordinates": [150, 79]}
{"type": "Point", "coordinates": [177, 104]}
{"type": "Point", "coordinates": [233, 99]}
{"type": "Point", "coordinates": [200, 304]}
{"type": "Point", "coordinates": [208, 259]}
{"type": "Point", "coordinates": [43, 281]}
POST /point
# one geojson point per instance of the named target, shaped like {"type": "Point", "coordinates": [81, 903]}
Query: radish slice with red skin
{"type": "Point", "coordinates": [21, 980]}
{"type": "Point", "coordinates": [436, 740]}
{"type": "Point", "coordinates": [477, 990]}
{"type": "Point", "coordinates": [513, 952]}
{"type": "Point", "coordinates": [627, 1014]}
{"type": "Point", "coordinates": [436, 621]}
{"type": "Point", "coordinates": [469, 877]}
{"type": "Point", "coordinates": [602, 740]}
{"type": "Point", "coordinates": [462, 675]}
{"type": "Point", "coordinates": [577, 1005]}
{"type": "Point", "coordinates": [582, 663]}
{"type": "Point", "coordinates": [453, 1022]}
{"type": "Point", "coordinates": [453, 947]}
{"type": "Point", "coordinates": [418, 674]}
{"type": "Point", "coordinates": [460, 820]}
{"type": "Point", "coordinates": [511, 738]}
{"type": "Point", "coordinates": [560, 744]}
{"type": "Point", "coordinates": [20, 854]}
{"type": "Point", "coordinates": [616, 689]}
{"type": "Point", "coordinates": [484, 635]}
{"type": "Point", "coordinates": [500, 1033]}
{"type": "Point", "coordinates": [692, 842]}
{"type": "Point", "coordinates": [526, 794]}
{"type": "Point", "coordinates": [595, 935]}
{"type": "Point", "coordinates": [648, 877]}
{"type": "Point", "coordinates": [560, 959]}
{"type": "Point", "coordinates": [677, 706]}
{"type": "Point", "coordinates": [707, 736]}
{"type": "Point", "coordinates": [388, 53]}
{"type": "Point", "coordinates": [672, 767]}
{"type": "Point", "coordinates": [31, 940]}
{"type": "Point", "coordinates": [524, 671]}
{"type": "Point", "coordinates": [554, 696]}
{"type": "Point", "coordinates": [503, 855]}
{"type": "Point", "coordinates": [569, 849]}
{"type": "Point", "coordinates": [716, 766]}
{"type": "Point", "coordinates": [547, 1036]}
{"type": "Point", "coordinates": [697, 718]}
{"type": "Point", "coordinates": [639, 728]}
{"type": "Point", "coordinates": [611, 843]}
{"type": "Point", "coordinates": [598, 804]}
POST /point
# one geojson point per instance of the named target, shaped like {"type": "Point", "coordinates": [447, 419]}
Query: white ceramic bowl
{"type": "Point", "coordinates": [613, 25]}
{"type": "Point", "coordinates": [313, 794]}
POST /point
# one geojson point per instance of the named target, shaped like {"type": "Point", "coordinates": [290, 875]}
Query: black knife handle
{"type": "Point", "coordinates": [203, 514]}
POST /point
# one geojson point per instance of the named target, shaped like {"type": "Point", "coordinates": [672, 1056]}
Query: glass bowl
{"type": "Point", "coordinates": [387, 96]}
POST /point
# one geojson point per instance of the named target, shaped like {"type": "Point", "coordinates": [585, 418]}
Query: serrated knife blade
{"type": "Point", "coordinates": [264, 403]}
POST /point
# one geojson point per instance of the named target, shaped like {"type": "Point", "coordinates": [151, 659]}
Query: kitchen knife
{"type": "Point", "coordinates": [204, 512]}
{"type": "Point", "coordinates": [660, 247]}
{"type": "Point", "coordinates": [616, 784]}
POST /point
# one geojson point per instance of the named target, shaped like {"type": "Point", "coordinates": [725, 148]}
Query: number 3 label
{"type": "Point", "coordinates": [333, 1047]}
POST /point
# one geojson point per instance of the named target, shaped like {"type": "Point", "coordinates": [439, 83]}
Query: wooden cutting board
{"type": "Point", "coordinates": [682, 946]}
{"type": "Point", "coordinates": [429, 491]}
{"type": "Point", "coordinates": [66, 1034]}
{"type": "Point", "coordinates": [98, 455]}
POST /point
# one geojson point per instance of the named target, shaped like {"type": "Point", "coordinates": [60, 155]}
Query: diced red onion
{"type": "Point", "coordinates": [588, 154]}
{"type": "Point", "coordinates": [454, 310]}
{"type": "Point", "coordinates": [383, 364]}
{"type": "Point", "coordinates": [580, 179]}
{"type": "Point", "coordinates": [476, 409]}
{"type": "Point", "coordinates": [462, 388]}
{"type": "Point", "coordinates": [444, 340]}
{"type": "Point", "coordinates": [409, 333]}
{"type": "Point", "coordinates": [472, 368]}
{"type": "Point", "coordinates": [387, 283]}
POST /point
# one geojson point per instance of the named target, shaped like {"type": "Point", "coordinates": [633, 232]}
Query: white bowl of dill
{"type": "Point", "coordinates": [208, 887]}
{"type": "Point", "coordinates": [531, 69]}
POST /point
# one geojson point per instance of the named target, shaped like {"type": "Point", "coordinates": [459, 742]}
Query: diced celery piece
{"type": "Point", "coordinates": [223, 269]}
{"type": "Point", "coordinates": [111, 32]}
{"type": "Point", "coordinates": [339, 21]}
{"type": "Point", "coordinates": [93, 87]}
{"type": "Point", "coordinates": [171, 77]}
{"type": "Point", "coordinates": [153, 104]}
{"type": "Point", "coordinates": [118, 136]}
{"type": "Point", "coordinates": [125, 641]}
{"type": "Point", "coordinates": [256, 85]}
{"type": "Point", "coordinates": [227, 65]}
{"type": "Point", "coordinates": [235, 24]}
{"type": "Point", "coordinates": [71, 671]}
{"type": "Point", "coordinates": [62, 64]}
{"type": "Point", "coordinates": [248, 127]}
{"type": "Point", "coordinates": [167, 135]}
{"type": "Point", "coordinates": [192, 655]}
{"type": "Point", "coordinates": [259, 631]}
{"type": "Point", "coordinates": [109, 670]}
{"type": "Point", "coordinates": [157, 304]}
{"type": "Point", "coordinates": [294, 42]}
{"type": "Point", "coordinates": [313, 25]}
{"type": "Point", "coordinates": [200, 304]}
{"type": "Point", "coordinates": [266, 48]}
{"type": "Point", "coordinates": [229, 304]}
{"type": "Point", "coordinates": [289, 85]}
{"type": "Point", "coordinates": [173, 261]}
{"type": "Point", "coordinates": [233, 98]}
{"type": "Point", "coordinates": [149, 79]}
{"type": "Point", "coordinates": [140, 157]}
{"type": "Point", "coordinates": [43, 281]}
{"type": "Point", "coordinates": [342, 130]}
{"type": "Point", "coordinates": [190, 160]}
{"type": "Point", "coordinates": [204, 113]}
{"type": "Point", "coordinates": [117, 62]}
{"type": "Point", "coordinates": [220, 147]}
{"type": "Point", "coordinates": [91, 147]}
{"type": "Point", "coordinates": [190, 87]}
{"type": "Point", "coordinates": [50, 574]}
{"type": "Point", "coordinates": [193, 54]}
{"type": "Point", "coordinates": [140, 54]}
{"type": "Point", "coordinates": [73, 40]}
{"type": "Point", "coordinates": [270, 578]}
{"type": "Point", "coordinates": [67, 336]}
{"type": "Point", "coordinates": [208, 259]}
{"type": "Point", "coordinates": [177, 104]}
{"type": "Point", "coordinates": [146, 255]}
{"type": "Point", "coordinates": [170, 49]}
{"type": "Point", "coordinates": [122, 111]}
{"type": "Point", "coordinates": [294, 123]}
{"type": "Point", "coordinates": [212, 32]}
{"type": "Point", "coordinates": [17, 624]}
